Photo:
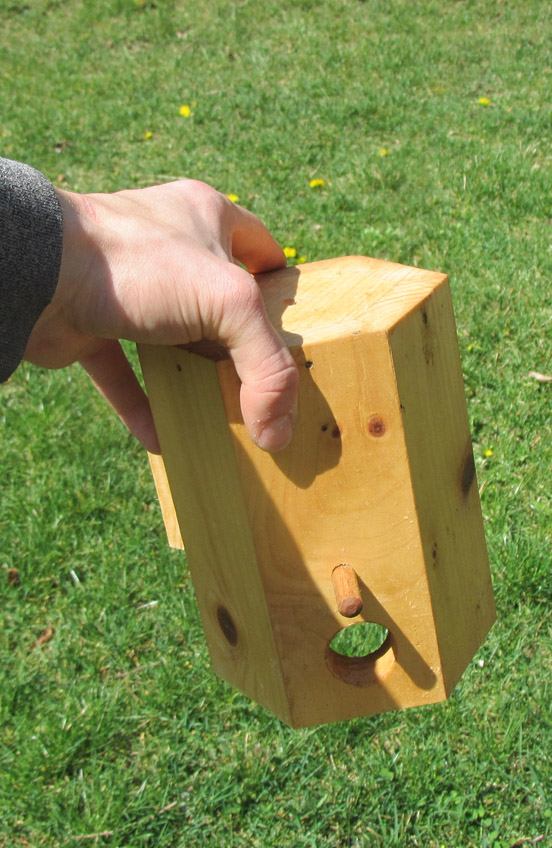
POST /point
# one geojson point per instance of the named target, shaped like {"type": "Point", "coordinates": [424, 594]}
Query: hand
{"type": "Point", "coordinates": [157, 265]}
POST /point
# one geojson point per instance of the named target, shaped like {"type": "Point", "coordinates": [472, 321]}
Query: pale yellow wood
{"type": "Point", "coordinates": [377, 476]}
{"type": "Point", "coordinates": [196, 444]}
{"type": "Point", "coordinates": [327, 300]}
{"type": "Point", "coordinates": [429, 377]}
{"type": "Point", "coordinates": [168, 511]}
{"type": "Point", "coordinates": [341, 495]}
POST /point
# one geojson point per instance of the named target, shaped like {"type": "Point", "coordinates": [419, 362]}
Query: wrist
{"type": "Point", "coordinates": [80, 255]}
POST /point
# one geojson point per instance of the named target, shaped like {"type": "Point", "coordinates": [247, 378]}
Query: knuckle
{"type": "Point", "coordinates": [280, 375]}
{"type": "Point", "coordinates": [244, 292]}
{"type": "Point", "coordinates": [205, 197]}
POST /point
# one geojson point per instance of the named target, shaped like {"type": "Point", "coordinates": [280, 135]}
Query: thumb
{"type": "Point", "coordinates": [266, 368]}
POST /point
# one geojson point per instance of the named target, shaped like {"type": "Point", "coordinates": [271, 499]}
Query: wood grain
{"type": "Point", "coordinates": [206, 489]}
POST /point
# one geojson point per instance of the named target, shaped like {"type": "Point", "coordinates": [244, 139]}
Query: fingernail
{"type": "Point", "coordinates": [276, 434]}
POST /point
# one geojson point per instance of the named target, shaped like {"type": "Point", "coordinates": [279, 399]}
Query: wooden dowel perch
{"type": "Point", "coordinates": [347, 591]}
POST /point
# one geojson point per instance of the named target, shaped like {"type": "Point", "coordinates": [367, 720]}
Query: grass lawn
{"type": "Point", "coordinates": [430, 125]}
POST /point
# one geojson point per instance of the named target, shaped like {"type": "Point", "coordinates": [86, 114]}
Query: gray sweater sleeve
{"type": "Point", "coordinates": [31, 234]}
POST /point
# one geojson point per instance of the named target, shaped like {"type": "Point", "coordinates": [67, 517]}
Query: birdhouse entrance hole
{"type": "Point", "coordinates": [359, 640]}
{"type": "Point", "coordinates": [361, 653]}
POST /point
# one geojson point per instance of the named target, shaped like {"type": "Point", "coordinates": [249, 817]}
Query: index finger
{"type": "Point", "coordinates": [252, 243]}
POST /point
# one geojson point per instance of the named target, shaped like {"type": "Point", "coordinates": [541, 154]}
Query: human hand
{"type": "Point", "coordinates": [158, 265]}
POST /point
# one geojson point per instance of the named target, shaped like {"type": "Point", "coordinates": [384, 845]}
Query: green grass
{"type": "Point", "coordinates": [115, 732]}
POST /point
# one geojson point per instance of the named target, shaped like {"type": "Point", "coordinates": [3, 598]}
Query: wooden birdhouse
{"type": "Point", "coordinates": [370, 515]}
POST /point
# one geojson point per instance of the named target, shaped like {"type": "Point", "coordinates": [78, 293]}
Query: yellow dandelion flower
{"type": "Point", "coordinates": [489, 452]}
{"type": "Point", "coordinates": [484, 101]}
{"type": "Point", "coordinates": [147, 135]}
{"type": "Point", "coordinates": [301, 260]}
{"type": "Point", "coordinates": [383, 151]}
{"type": "Point", "coordinates": [290, 252]}
{"type": "Point", "coordinates": [185, 111]}
{"type": "Point", "coordinates": [317, 182]}
{"type": "Point", "coordinates": [233, 197]}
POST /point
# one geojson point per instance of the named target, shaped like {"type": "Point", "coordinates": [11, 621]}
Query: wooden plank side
{"type": "Point", "coordinates": [206, 489]}
{"type": "Point", "coordinates": [326, 300]}
{"type": "Point", "coordinates": [170, 519]}
{"type": "Point", "coordinates": [430, 382]}
{"type": "Point", "coordinates": [341, 493]}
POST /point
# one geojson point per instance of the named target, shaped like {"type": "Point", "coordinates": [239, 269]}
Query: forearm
{"type": "Point", "coordinates": [31, 237]}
